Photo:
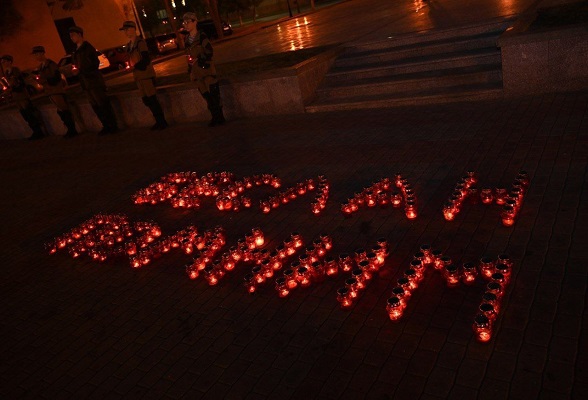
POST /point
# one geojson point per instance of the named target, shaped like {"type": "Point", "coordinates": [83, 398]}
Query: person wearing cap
{"type": "Point", "coordinates": [52, 81]}
{"type": "Point", "coordinates": [143, 73]}
{"type": "Point", "coordinates": [85, 58]}
{"type": "Point", "coordinates": [17, 86]}
{"type": "Point", "coordinates": [201, 67]}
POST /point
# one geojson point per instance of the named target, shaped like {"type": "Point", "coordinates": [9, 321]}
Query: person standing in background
{"type": "Point", "coordinates": [143, 73]}
{"type": "Point", "coordinates": [54, 85]}
{"type": "Point", "coordinates": [201, 67]}
{"type": "Point", "coordinates": [85, 59]}
{"type": "Point", "coordinates": [16, 84]}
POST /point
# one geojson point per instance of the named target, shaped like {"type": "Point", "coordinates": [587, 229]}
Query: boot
{"type": "Point", "coordinates": [210, 105]}
{"type": "Point", "coordinates": [218, 117]}
{"type": "Point", "coordinates": [157, 111]}
{"type": "Point", "coordinates": [29, 116]}
{"type": "Point", "coordinates": [110, 117]}
{"type": "Point", "coordinates": [102, 114]}
{"type": "Point", "coordinates": [68, 120]}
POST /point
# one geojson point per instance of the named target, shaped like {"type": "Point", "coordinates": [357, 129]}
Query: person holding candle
{"type": "Point", "coordinates": [85, 59]}
{"type": "Point", "coordinates": [143, 73]}
{"type": "Point", "coordinates": [201, 67]}
{"type": "Point", "coordinates": [16, 84]}
{"type": "Point", "coordinates": [54, 85]}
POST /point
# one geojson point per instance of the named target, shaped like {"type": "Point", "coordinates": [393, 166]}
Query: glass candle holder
{"type": "Point", "coordinates": [441, 262]}
{"type": "Point", "coordinates": [411, 275]}
{"type": "Point", "coordinates": [290, 278]}
{"type": "Point", "coordinates": [383, 243]}
{"type": "Point", "coordinates": [452, 275]}
{"type": "Point", "coordinates": [504, 259]}
{"type": "Point", "coordinates": [249, 283]}
{"type": "Point", "coordinates": [374, 263]}
{"type": "Point", "coordinates": [491, 298]}
{"type": "Point", "coordinates": [303, 276]}
{"type": "Point", "coordinates": [345, 262]}
{"type": "Point", "coordinates": [282, 287]}
{"type": "Point", "coordinates": [449, 211]}
{"type": "Point", "coordinates": [488, 310]}
{"type": "Point", "coordinates": [327, 241]}
{"type": "Point", "coordinates": [296, 239]}
{"type": "Point", "coordinates": [365, 267]}
{"type": "Point", "coordinates": [396, 200]}
{"type": "Point", "coordinates": [357, 274]}
{"type": "Point", "coordinates": [304, 260]}
{"type": "Point", "coordinates": [495, 288]}
{"type": "Point", "coordinates": [486, 196]}
{"type": "Point", "coordinates": [317, 271]}
{"type": "Point", "coordinates": [418, 267]}
{"type": "Point", "coordinates": [498, 278]}
{"type": "Point", "coordinates": [410, 209]}
{"type": "Point", "coordinates": [500, 195]}
{"type": "Point", "coordinates": [360, 255]}
{"type": "Point", "coordinates": [405, 285]}
{"type": "Point", "coordinates": [482, 328]}
{"type": "Point", "coordinates": [398, 291]}
{"type": "Point", "coordinates": [353, 286]}
{"type": "Point", "coordinates": [505, 270]}
{"type": "Point", "coordinates": [394, 308]}
{"type": "Point", "coordinates": [470, 272]}
{"type": "Point", "coordinates": [508, 215]}
{"type": "Point", "coordinates": [427, 253]}
{"type": "Point", "coordinates": [487, 267]}
{"type": "Point", "coordinates": [344, 298]}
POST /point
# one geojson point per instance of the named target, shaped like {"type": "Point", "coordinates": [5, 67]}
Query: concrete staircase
{"type": "Point", "coordinates": [437, 66]}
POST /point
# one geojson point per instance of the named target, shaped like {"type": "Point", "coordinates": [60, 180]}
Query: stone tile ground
{"type": "Point", "coordinates": [72, 328]}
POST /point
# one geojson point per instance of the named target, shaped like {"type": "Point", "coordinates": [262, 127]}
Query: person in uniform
{"type": "Point", "coordinates": [85, 59]}
{"type": "Point", "coordinates": [201, 67]}
{"type": "Point", "coordinates": [143, 73]}
{"type": "Point", "coordinates": [16, 84]}
{"type": "Point", "coordinates": [54, 85]}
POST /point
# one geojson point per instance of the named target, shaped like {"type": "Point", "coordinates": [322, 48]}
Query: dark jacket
{"type": "Point", "coordinates": [85, 58]}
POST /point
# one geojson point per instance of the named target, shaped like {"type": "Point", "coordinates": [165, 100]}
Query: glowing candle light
{"type": "Point", "coordinates": [487, 267]}
{"type": "Point", "coordinates": [394, 308]}
{"type": "Point", "coordinates": [343, 298]}
{"type": "Point", "coordinates": [470, 273]}
{"type": "Point", "coordinates": [482, 328]}
{"type": "Point", "coordinates": [282, 287]}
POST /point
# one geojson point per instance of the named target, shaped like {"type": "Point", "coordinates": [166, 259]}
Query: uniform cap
{"type": "Point", "coordinates": [128, 24]}
{"type": "Point", "coordinates": [190, 15]}
{"type": "Point", "coordinates": [76, 29]}
{"type": "Point", "coordinates": [38, 49]}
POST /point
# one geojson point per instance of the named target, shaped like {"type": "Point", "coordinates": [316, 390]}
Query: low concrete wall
{"type": "Point", "coordinates": [282, 91]}
{"type": "Point", "coordinates": [544, 61]}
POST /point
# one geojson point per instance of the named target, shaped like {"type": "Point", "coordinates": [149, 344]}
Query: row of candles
{"type": "Point", "coordinates": [466, 187]}
{"type": "Point", "coordinates": [311, 267]}
{"type": "Point", "coordinates": [363, 265]}
{"type": "Point", "coordinates": [104, 236]}
{"type": "Point", "coordinates": [321, 185]}
{"type": "Point", "coordinates": [497, 272]}
{"type": "Point", "coordinates": [214, 270]}
{"type": "Point", "coordinates": [227, 198]}
{"type": "Point", "coordinates": [110, 235]}
{"type": "Point", "coordinates": [379, 193]}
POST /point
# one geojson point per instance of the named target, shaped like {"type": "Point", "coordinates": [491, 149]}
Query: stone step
{"type": "Point", "coordinates": [496, 26]}
{"type": "Point", "coordinates": [480, 74]}
{"type": "Point", "coordinates": [413, 65]}
{"type": "Point", "coordinates": [467, 93]}
{"type": "Point", "coordinates": [445, 46]}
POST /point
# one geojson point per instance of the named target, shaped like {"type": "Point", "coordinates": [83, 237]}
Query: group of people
{"type": "Point", "coordinates": [201, 69]}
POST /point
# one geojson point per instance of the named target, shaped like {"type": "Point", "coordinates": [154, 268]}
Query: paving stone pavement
{"type": "Point", "coordinates": [72, 328]}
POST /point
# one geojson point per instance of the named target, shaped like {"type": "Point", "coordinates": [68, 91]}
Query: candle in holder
{"type": "Point", "coordinates": [343, 298]}
{"type": "Point", "coordinates": [282, 287]}
{"type": "Point", "coordinates": [249, 283]}
{"type": "Point", "coordinates": [487, 267]}
{"type": "Point", "coordinates": [470, 272]}
{"type": "Point", "coordinates": [482, 328]}
{"type": "Point", "coordinates": [452, 275]}
{"type": "Point", "coordinates": [486, 196]}
{"type": "Point", "coordinates": [394, 308]}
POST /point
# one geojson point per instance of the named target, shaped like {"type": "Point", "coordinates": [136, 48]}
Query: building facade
{"type": "Point", "coordinates": [45, 23]}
